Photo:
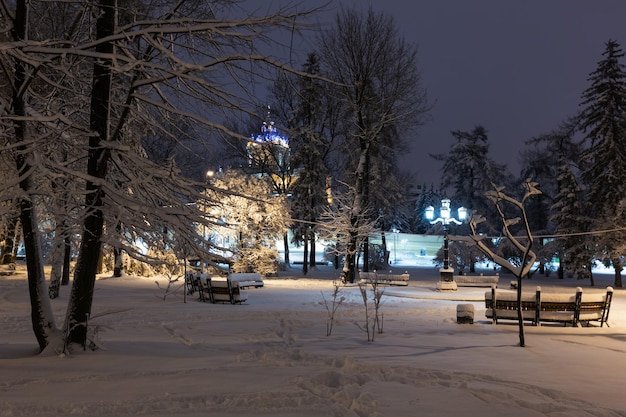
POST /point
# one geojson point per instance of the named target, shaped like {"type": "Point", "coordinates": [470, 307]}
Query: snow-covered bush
{"type": "Point", "coordinates": [161, 263]}
{"type": "Point", "coordinates": [252, 219]}
{"type": "Point", "coordinates": [260, 259]}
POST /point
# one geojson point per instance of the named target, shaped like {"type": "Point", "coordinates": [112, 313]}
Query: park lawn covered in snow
{"type": "Point", "coordinates": [271, 356]}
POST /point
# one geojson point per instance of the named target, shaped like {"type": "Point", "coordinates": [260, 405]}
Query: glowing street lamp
{"type": "Point", "coordinates": [207, 179]}
{"type": "Point", "coordinates": [446, 281]}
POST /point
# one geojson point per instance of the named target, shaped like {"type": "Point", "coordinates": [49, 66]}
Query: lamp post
{"type": "Point", "coordinates": [207, 179]}
{"type": "Point", "coordinates": [395, 243]}
{"type": "Point", "coordinates": [446, 281]}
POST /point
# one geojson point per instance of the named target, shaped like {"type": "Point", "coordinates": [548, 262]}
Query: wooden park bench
{"type": "Point", "coordinates": [476, 280]}
{"type": "Point", "coordinates": [191, 281]}
{"type": "Point", "coordinates": [8, 269]}
{"type": "Point", "coordinates": [384, 278]}
{"type": "Point", "coordinates": [573, 308]}
{"type": "Point", "coordinates": [247, 279]}
{"type": "Point", "coordinates": [220, 290]}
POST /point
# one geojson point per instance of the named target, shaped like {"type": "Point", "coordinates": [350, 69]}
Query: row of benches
{"type": "Point", "coordinates": [403, 279]}
{"type": "Point", "coordinates": [577, 308]}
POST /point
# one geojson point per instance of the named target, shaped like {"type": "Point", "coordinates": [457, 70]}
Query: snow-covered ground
{"type": "Point", "coordinates": [271, 356]}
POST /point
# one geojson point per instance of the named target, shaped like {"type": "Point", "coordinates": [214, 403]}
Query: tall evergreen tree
{"type": "Point", "coordinates": [428, 197]}
{"type": "Point", "coordinates": [546, 160]}
{"type": "Point", "coordinates": [575, 247]}
{"type": "Point", "coordinates": [468, 171]}
{"type": "Point", "coordinates": [603, 122]}
{"type": "Point", "coordinates": [308, 112]}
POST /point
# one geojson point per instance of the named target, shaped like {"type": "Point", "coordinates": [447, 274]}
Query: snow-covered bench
{"type": "Point", "coordinates": [573, 308]}
{"type": "Point", "coordinates": [7, 269]}
{"type": "Point", "coordinates": [245, 279]}
{"type": "Point", "coordinates": [220, 290]}
{"type": "Point", "coordinates": [191, 281]}
{"type": "Point", "coordinates": [384, 279]}
{"type": "Point", "coordinates": [476, 280]}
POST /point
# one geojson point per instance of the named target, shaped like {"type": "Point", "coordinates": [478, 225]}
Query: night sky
{"type": "Point", "coordinates": [516, 67]}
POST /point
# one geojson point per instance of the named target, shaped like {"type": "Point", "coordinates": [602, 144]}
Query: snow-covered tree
{"type": "Point", "coordinates": [517, 231]}
{"type": "Point", "coordinates": [575, 245]}
{"type": "Point", "coordinates": [309, 195]}
{"type": "Point", "coordinates": [249, 220]}
{"type": "Point", "coordinates": [305, 103]}
{"type": "Point", "coordinates": [429, 197]}
{"type": "Point", "coordinates": [468, 171]}
{"type": "Point", "coordinates": [345, 223]}
{"type": "Point", "coordinates": [101, 77]}
{"type": "Point", "coordinates": [547, 157]}
{"type": "Point", "coordinates": [379, 88]}
{"type": "Point", "coordinates": [603, 122]}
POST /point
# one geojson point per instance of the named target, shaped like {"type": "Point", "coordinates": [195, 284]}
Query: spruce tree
{"type": "Point", "coordinates": [468, 171]}
{"type": "Point", "coordinates": [575, 247]}
{"type": "Point", "coordinates": [603, 122]}
{"type": "Point", "coordinates": [548, 160]}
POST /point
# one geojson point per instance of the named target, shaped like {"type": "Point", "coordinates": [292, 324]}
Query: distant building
{"type": "Point", "coordinates": [269, 155]}
{"type": "Point", "coordinates": [268, 152]}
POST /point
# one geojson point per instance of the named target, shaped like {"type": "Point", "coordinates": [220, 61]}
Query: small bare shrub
{"type": "Point", "coordinates": [332, 305]}
{"type": "Point", "coordinates": [373, 324]}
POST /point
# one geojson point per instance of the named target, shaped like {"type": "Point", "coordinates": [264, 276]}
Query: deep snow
{"type": "Point", "coordinates": [271, 356]}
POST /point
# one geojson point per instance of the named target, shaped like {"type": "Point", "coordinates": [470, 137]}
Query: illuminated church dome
{"type": "Point", "coordinates": [269, 133]}
{"type": "Point", "coordinates": [268, 151]}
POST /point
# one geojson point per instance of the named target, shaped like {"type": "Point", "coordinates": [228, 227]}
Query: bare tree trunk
{"type": "Point", "coordinates": [386, 253]}
{"type": "Point", "coordinates": [366, 254]}
{"type": "Point", "coordinates": [42, 318]}
{"type": "Point", "coordinates": [305, 254]}
{"type": "Point", "coordinates": [617, 266]}
{"type": "Point", "coordinates": [350, 263]}
{"type": "Point", "coordinates": [56, 263]}
{"type": "Point", "coordinates": [349, 266]}
{"type": "Point", "coordinates": [312, 260]}
{"type": "Point", "coordinates": [18, 237]}
{"type": "Point", "coordinates": [520, 313]}
{"type": "Point", "coordinates": [363, 188]}
{"type": "Point", "coordinates": [286, 246]}
{"type": "Point", "coordinates": [67, 252]}
{"type": "Point", "coordinates": [10, 242]}
{"type": "Point", "coordinates": [117, 262]}
{"type": "Point", "coordinates": [117, 255]}
{"type": "Point", "coordinates": [81, 297]}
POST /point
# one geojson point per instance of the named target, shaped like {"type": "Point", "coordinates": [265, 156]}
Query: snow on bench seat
{"type": "Point", "coordinates": [247, 279]}
{"type": "Point", "coordinates": [384, 278]}
{"type": "Point", "coordinates": [573, 308]}
{"type": "Point", "coordinates": [220, 290]}
{"type": "Point", "coordinates": [476, 280]}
